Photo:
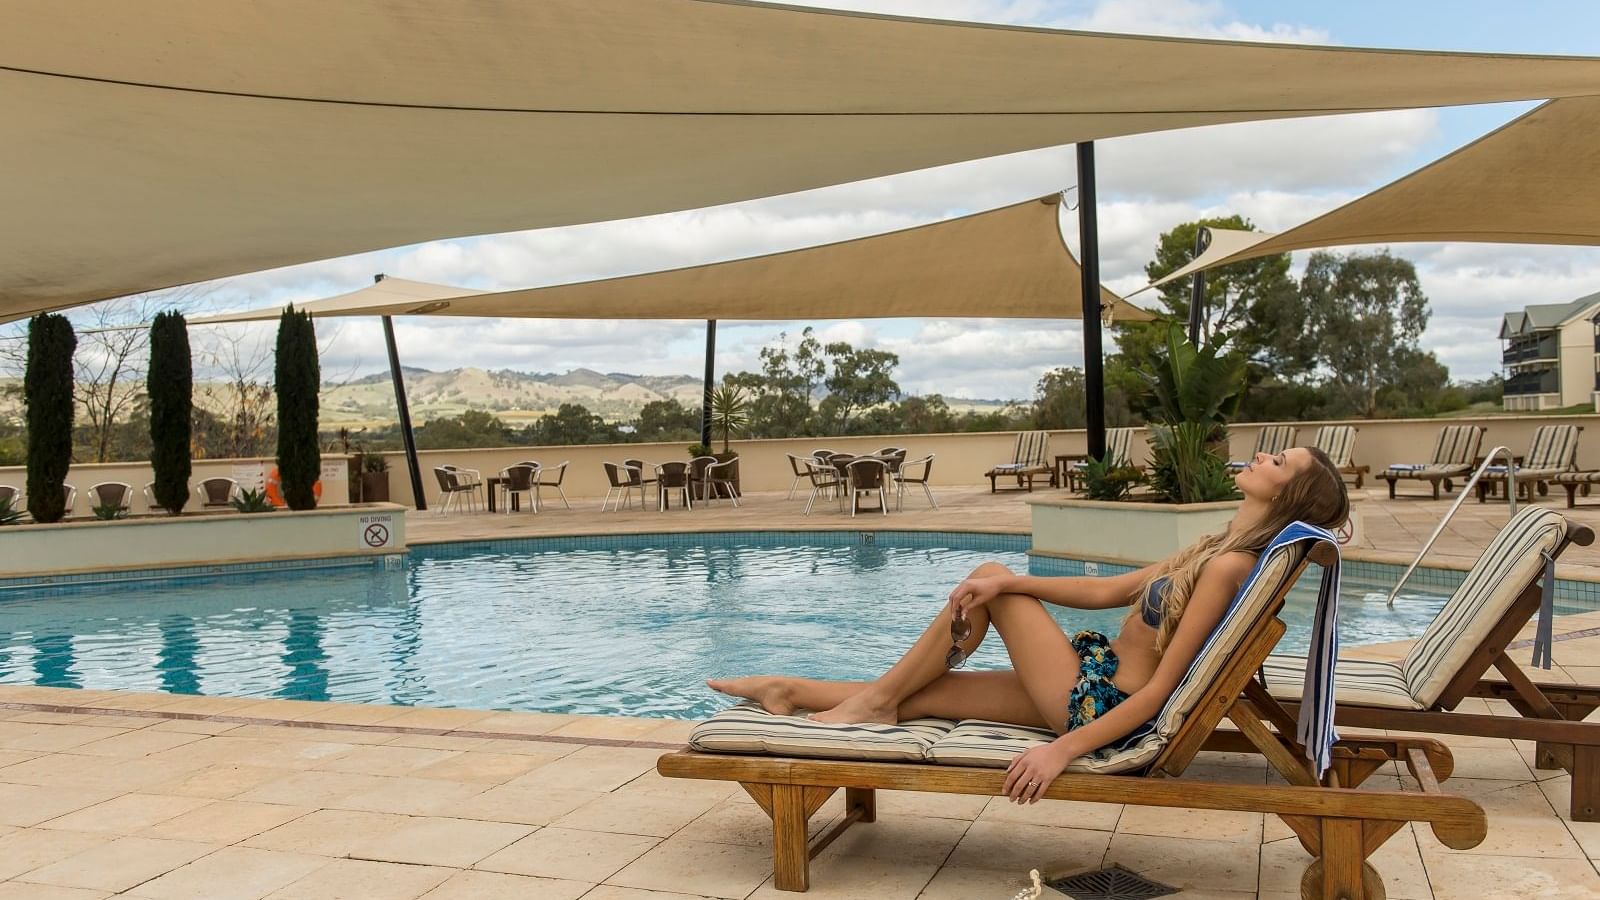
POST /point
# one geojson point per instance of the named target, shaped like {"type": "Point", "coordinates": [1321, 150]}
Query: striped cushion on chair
{"type": "Point", "coordinates": [1577, 478]}
{"type": "Point", "coordinates": [751, 729]}
{"type": "Point", "coordinates": [1555, 448]}
{"type": "Point", "coordinates": [1118, 442]}
{"type": "Point", "coordinates": [1509, 564]}
{"type": "Point", "coordinates": [1457, 445]}
{"type": "Point", "coordinates": [974, 743]}
{"type": "Point", "coordinates": [1275, 438]}
{"type": "Point", "coordinates": [1364, 682]}
{"type": "Point", "coordinates": [1339, 442]}
{"type": "Point", "coordinates": [1032, 447]}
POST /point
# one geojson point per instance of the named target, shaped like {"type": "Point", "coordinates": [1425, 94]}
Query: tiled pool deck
{"type": "Point", "coordinates": [108, 793]}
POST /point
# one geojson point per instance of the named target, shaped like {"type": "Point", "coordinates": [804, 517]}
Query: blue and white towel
{"type": "Point", "coordinates": [1407, 467]}
{"type": "Point", "coordinates": [1314, 730]}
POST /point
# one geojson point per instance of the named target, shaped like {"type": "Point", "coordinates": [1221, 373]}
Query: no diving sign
{"type": "Point", "coordinates": [377, 531]}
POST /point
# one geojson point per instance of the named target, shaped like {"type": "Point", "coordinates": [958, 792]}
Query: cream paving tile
{"type": "Point", "coordinates": [147, 700]}
{"type": "Point", "coordinates": [591, 856]}
{"type": "Point", "coordinates": [623, 728]}
{"type": "Point", "coordinates": [921, 803]}
{"type": "Point", "coordinates": [670, 731]}
{"type": "Point", "coordinates": [520, 723]}
{"type": "Point", "coordinates": [644, 814]}
{"type": "Point", "coordinates": [126, 814]}
{"type": "Point", "coordinates": [1521, 822]}
{"type": "Point", "coordinates": [1587, 834]}
{"type": "Point", "coordinates": [614, 892]}
{"type": "Point", "coordinates": [1214, 824]}
{"type": "Point", "coordinates": [694, 788]}
{"type": "Point", "coordinates": [138, 743]}
{"type": "Point", "coordinates": [32, 848]}
{"type": "Point", "coordinates": [219, 782]}
{"type": "Point", "coordinates": [120, 864]}
{"type": "Point", "coordinates": [310, 733]}
{"type": "Point", "coordinates": [23, 805]}
{"type": "Point", "coordinates": [383, 759]}
{"type": "Point", "coordinates": [18, 890]}
{"type": "Point", "coordinates": [489, 768]}
{"type": "Point", "coordinates": [1188, 862]}
{"type": "Point", "coordinates": [439, 742]}
{"type": "Point", "coordinates": [594, 768]}
{"type": "Point", "coordinates": [441, 842]}
{"type": "Point", "coordinates": [530, 804]}
{"type": "Point", "coordinates": [225, 821]}
{"type": "Point", "coordinates": [707, 869]}
{"type": "Point", "coordinates": [410, 796]}
{"type": "Point", "coordinates": [328, 832]}
{"type": "Point", "coordinates": [312, 788]}
{"type": "Point", "coordinates": [194, 726]}
{"type": "Point", "coordinates": [1011, 846]}
{"type": "Point", "coordinates": [53, 696]}
{"type": "Point", "coordinates": [349, 714]}
{"type": "Point", "coordinates": [849, 878]}
{"type": "Point", "coordinates": [436, 717]}
{"type": "Point", "coordinates": [12, 757]}
{"type": "Point", "coordinates": [1398, 862]}
{"type": "Point", "coordinates": [115, 776]}
{"type": "Point", "coordinates": [1485, 877]}
{"type": "Point", "coordinates": [1054, 813]}
{"type": "Point", "coordinates": [912, 838]}
{"type": "Point", "coordinates": [232, 873]}
{"type": "Point", "coordinates": [959, 883]}
{"type": "Point", "coordinates": [739, 823]}
{"type": "Point", "coordinates": [472, 885]}
{"type": "Point", "coordinates": [213, 706]}
{"type": "Point", "coordinates": [359, 879]}
{"type": "Point", "coordinates": [55, 738]}
{"type": "Point", "coordinates": [1479, 762]}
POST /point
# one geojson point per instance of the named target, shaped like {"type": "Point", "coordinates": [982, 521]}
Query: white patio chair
{"type": "Point", "coordinates": [864, 476]}
{"type": "Point", "coordinates": [110, 493]}
{"type": "Point", "coordinates": [518, 480]}
{"type": "Point", "coordinates": [674, 476]}
{"type": "Point", "coordinates": [797, 465]}
{"type": "Point", "coordinates": [472, 481]}
{"type": "Point", "coordinates": [826, 480]}
{"type": "Point", "coordinates": [452, 492]}
{"type": "Point", "coordinates": [540, 484]}
{"type": "Point", "coordinates": [621, 480]}
{"type": "Point", "coordinates": [717, 476]}
{"type": "Point", "coordinates": [908, 474]}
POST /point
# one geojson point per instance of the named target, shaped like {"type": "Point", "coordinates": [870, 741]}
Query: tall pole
{"type": "Point", "coordinates": [404, 409]}
{"type": "Point", "coordinates": [1094, 376]}
{"type": "Point", "coordinates": [711, 373]}
{"type": "Point", "coordinates": [1197, 289]}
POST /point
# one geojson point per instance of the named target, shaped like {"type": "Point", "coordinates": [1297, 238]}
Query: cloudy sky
{"type": "Point", "coordinates": [1277, 174]}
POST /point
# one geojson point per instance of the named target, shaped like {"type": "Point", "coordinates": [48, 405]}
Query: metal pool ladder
{"type": "Point", "coordinates": [1511, 496]}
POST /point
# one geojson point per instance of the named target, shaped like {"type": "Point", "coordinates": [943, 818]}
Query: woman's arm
{"type": "Point", "coordinates": [1213, 592]}
{"type": "Point", "coordinates": [1077, 592]}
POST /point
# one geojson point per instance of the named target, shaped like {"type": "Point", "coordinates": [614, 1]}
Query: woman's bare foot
{"type": "Point", "coordinates": [771, 691]}
{"type": "Point", "coordinates": [859, 710]}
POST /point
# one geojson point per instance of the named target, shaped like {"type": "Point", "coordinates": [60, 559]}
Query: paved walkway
{"type": "Point", "coordinates": [1392, 530]}
{"type": "Point", "coordinates": [150, 795]}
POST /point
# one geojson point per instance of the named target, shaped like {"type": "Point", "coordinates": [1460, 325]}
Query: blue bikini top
{"type": "Point", "coordinates": [1150, 606]}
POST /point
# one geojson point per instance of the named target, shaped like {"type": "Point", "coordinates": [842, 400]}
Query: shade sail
{"type": "Point", "coordinates": [148, 145]}
{"type": "Point", "coordinates": [1535, 180]}
{"type": "Point", "coordinates": [1003, 263]}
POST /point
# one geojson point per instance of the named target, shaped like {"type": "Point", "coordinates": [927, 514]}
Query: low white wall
{"type": "Point", "coordinates": [201, 539]}
{"type": "Point", "coordinates": [1120, 531]}
{"type": "Point", "coordinates": [250, 473]}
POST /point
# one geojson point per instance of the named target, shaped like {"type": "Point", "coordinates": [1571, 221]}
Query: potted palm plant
{"type": "Point", "coordinates": [374, 478]}
{"type": "Point", "coordinates": [730, 415]}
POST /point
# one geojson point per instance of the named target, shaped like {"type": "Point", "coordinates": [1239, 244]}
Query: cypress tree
{"type": "Point", "coordinates": [170, 386]}
{"type": "Point", "coordinates": [298, 376]}
{"type": "Point", "coordinates": [47, 390]}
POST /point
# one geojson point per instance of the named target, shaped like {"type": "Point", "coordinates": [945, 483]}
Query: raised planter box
{"type": "Point", "coordinates": [200, 538]}
{"type": "Point", "coordinates": [1122, 531]}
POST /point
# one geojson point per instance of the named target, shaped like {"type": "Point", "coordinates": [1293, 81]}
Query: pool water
{"type": "Point", "coordinates": [619, 626]}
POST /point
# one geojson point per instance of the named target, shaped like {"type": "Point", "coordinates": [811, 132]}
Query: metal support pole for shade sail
{"type": "Point", "coordinates": [705, 397]}
{"type": "Point", "coordinates": [1197, 290]}
{"type": "Point", "coordinates": [1094, 378]}
{"type": "Point", "coordinates": [404, 409]}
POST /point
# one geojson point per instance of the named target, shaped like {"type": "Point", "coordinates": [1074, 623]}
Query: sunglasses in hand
{"type": "Point", "coordinates": [960, 630]}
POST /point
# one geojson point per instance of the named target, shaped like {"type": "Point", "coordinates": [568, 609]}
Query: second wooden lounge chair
{"type": "Point", "coordinates": [1454, 453]}
{"type": "Point", "coordinates": [1339, 442]}
{"type": "Point", "coordinates": [1270, 439]}
{"type": "Point", "coordinates": [790, 766]}
{"type": "Point", "coordinates": [1029, 459]}
{"type": "Point", "coordinates": [1448, 663]}
{"type": "Point", "coordinates": [1554, 451]}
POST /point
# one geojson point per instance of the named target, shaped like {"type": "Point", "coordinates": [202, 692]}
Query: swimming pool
{"type": "Point", "coordinates": [601, 625]}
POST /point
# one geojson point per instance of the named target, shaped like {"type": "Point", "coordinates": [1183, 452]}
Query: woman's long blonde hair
{"type": "Point", "coordinates": [1316, 495]}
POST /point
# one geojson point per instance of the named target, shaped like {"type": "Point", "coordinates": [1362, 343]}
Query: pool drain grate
{"type": "Point", "coordinates": [1115, 883]}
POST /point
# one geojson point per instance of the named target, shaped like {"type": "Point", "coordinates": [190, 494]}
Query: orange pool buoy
{"type": "Point", "coordinates": [275, 489]}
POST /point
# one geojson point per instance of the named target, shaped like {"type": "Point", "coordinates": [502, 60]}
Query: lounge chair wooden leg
{"type": "Point", "coordinates": [1391, 487]}
{"type": "Point", "coordinates": [1586, 784]}
{"type": "Point", "coordinates": [1340, 870]}
{"type": "Point", "coordinates": [864, 799]}
{"type": "Point", "coordinates": [791, 859]}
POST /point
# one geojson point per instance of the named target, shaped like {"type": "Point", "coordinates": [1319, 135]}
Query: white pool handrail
{"type": "Point", "coordinates": [1511, 495]}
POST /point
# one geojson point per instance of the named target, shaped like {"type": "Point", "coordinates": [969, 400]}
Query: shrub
{"type": "Point", "coordinates": [47, 391]}
{"type": "Point", "coordinates": [109, 511]}
{"type": "Point", "coordinates": [170, 387]}
{"type": "Point", "coordinates": [1191, 392]}
{"type": "Point", "coordinates": [699, 450]}
{"type": "Point", "coordinates": [298, 376]}
{"type": "Point", "coordinates": [252, 501]}
{"type": "Point", "coordinates": [1106, 482]}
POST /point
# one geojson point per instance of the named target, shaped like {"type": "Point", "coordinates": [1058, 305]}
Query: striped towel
{"type": "Point", "coordinates": [1314, 730]}
{"type": "Point", "coordinates": [1407, 467]}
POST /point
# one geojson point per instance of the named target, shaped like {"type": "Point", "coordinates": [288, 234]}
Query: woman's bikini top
{"type": "Point", "coordinates": [1150, 606]}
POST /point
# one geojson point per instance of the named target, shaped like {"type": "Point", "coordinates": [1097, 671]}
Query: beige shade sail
{"type": "Point", "coordinates": [149, 145]}
{"type": "Point", "coordinates": [1004, 263]}
{"type": "Point", "coordinates": [1535, 180]}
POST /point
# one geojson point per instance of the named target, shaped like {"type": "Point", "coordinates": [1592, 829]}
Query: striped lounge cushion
{"type": "Point", "coordinates": [1362, 682]}
{"type": "Point", "coordinates": [1554, 449]}
{"type": "Point", "coordinates": [992, 745]}
{"type": "Point", "coordinates": [1338, 441]}
{"type": "Point", "coordinates": [1429, 470]}
{"type": "Point", "coordinates": [751, 729]}
{"type": "Point", "coordinates": [1510, 563]}
{"type": "Point", "coordinates": [1577, 478]}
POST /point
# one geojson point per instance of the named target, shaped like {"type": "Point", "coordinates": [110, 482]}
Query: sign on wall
{"type": "Point", "coordinates": [376, 531]}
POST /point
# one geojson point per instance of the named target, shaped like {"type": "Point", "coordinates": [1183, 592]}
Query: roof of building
{"type": "Point", "coordinates": [1543, 316]}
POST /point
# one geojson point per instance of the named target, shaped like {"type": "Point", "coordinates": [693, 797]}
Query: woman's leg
{"type": "Point", "coordinates": [998, 696]}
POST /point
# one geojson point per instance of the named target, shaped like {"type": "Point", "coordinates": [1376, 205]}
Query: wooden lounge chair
{"type": "Point", "coordinates": [1448, 664]}
{"type": "Point", "coordinates": [1554, 451]}
{"type": "Point", "coordinates": [1339, 442]}
{"type": "Point", "coordinates": [1029, 459]}
{"type": "Point", "coordinates": [1119, 442]}
{"type": "Point", "coordinates": [1338, 823]}
{"type": "Point", "coordinates": [1270, 439]}
{"type": "Point", "coordinates": [1454, 453]}
{"type": "Point", "coordinates": [1576, 482]}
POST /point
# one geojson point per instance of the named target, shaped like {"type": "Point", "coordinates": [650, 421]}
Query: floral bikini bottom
{"type": "Point", "coordinates": [1094, 694]}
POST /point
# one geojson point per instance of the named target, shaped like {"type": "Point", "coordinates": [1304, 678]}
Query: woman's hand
{"type": "Point", "coordinates": [1030, 774]}
{"type": "Point", "coordinates": [975, 592]}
